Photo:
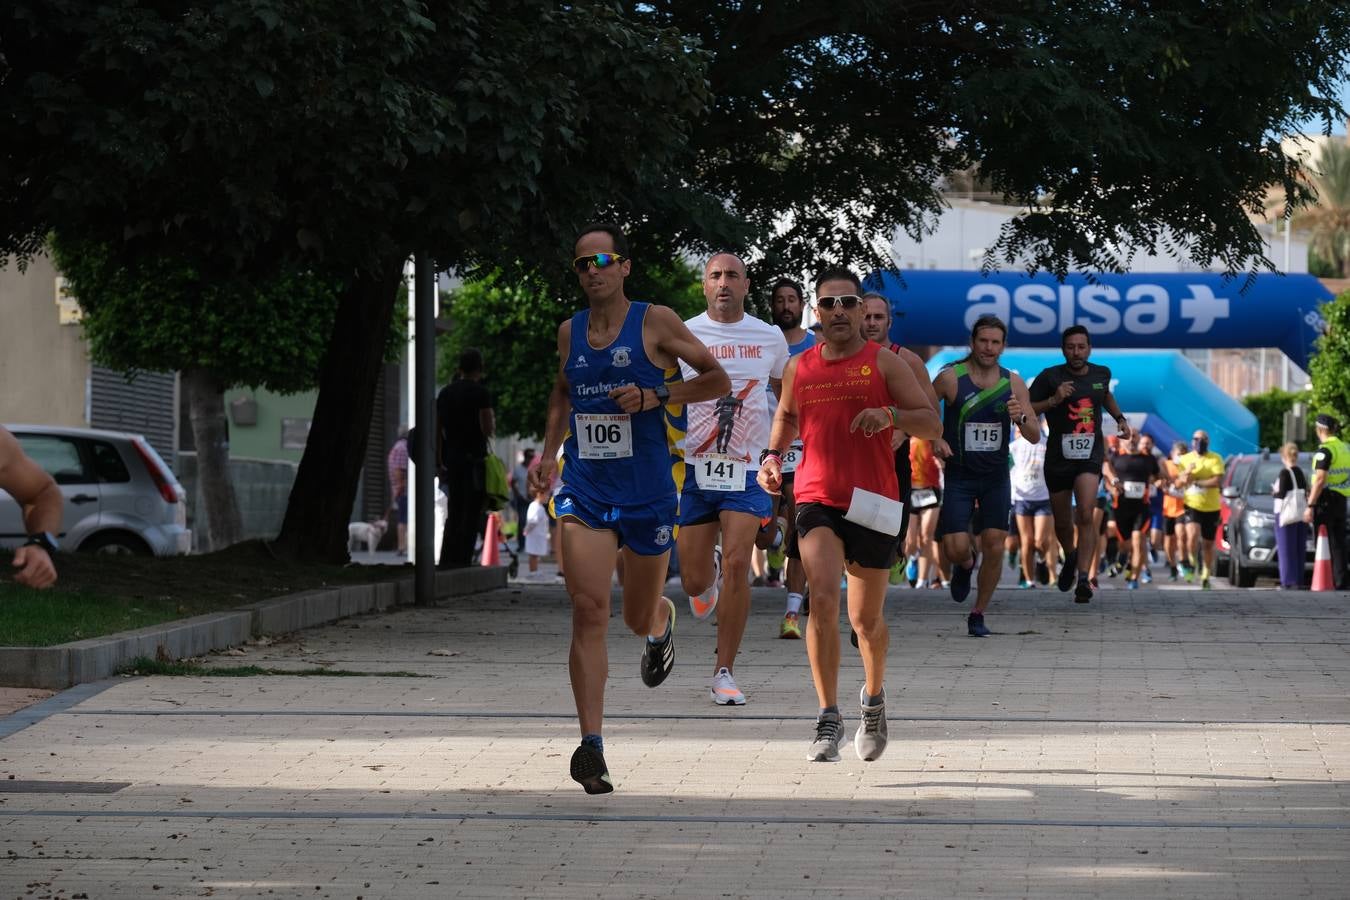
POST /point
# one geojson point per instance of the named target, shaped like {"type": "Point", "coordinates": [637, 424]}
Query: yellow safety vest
{"type": "Point", "coordinates": [1338, 475]}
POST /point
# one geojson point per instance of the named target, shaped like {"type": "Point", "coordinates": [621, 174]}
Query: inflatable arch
{"type": "Point", "coordinates": [1145, 310]}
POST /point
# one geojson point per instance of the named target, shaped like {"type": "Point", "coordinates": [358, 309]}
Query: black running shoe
{"type": "Point", "coordinates": [960, 583]}
{"type": "Point", "coordinates": [659, 658]}
{"type": "Point", "coordinates": [1068, 571]}
{"type": "Point", "coordinates": [589, 770]}
{"type": "Point", "coordinates": [1042, 572]}
{"type": "Point", "coordinates": [1082, 593]}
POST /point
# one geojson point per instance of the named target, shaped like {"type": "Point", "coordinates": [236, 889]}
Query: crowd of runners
{"type": "Point", "coordinates": [832, 452]}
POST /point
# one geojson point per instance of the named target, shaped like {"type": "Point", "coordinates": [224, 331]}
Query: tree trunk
{"type": "Point", "coordinates": [315, 527]}
{"type": "Point", "coordinates": [219, 512]}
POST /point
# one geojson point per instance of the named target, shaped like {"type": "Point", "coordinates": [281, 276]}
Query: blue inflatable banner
{"type": "Point", "coordinates": [1152, 310]}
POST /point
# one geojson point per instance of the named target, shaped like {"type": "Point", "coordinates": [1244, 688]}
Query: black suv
{"type": "Point", "coordinates": [1250, 529]}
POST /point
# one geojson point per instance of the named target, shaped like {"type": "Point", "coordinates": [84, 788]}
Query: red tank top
{"type": "Point", "coordinates": [829, 394]}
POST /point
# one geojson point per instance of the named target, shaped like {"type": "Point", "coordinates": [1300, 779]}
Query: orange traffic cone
{"type": "Point", "coordinates": [492, 554]}
{"type": "Point", "coordinates": [1322, 579]}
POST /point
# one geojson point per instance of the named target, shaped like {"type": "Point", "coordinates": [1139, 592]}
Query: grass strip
{"type": "Point", "coordinates": [144, 665]}
{"type": "Point", "coordinates": [100, 595]}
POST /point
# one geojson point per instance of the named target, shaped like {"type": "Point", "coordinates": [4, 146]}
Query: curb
{"type": "Point", "coordinates": [64, 665]}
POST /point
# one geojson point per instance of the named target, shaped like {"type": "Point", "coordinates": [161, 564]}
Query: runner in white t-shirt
{"type": "Point", "coordinates": [723, 439]}
{"type": "Point", "coordinates": [1031, 508]}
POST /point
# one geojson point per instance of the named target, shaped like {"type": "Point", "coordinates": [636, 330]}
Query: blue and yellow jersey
{"type": "Point", "coordinates": [611, 457]}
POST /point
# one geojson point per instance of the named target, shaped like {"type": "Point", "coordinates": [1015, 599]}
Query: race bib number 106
{"type": "Point", "coordinates": [604, 436]}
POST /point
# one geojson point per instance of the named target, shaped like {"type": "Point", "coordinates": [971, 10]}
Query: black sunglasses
{"type": "Point", "coordinates": [847, 301]}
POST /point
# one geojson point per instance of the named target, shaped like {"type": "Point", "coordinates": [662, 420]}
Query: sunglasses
{"type": "Point", "coordinates": [600, 260]}
{"type": "Point", "coordinates": [848, 301]}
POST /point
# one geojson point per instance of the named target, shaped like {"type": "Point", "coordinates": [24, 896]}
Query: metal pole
{"type": "Point", "coordinates": [424, 582]}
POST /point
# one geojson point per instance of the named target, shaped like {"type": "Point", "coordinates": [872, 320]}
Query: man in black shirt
{"type": "Point", "coordinates": [464, 422]}
{"type": "Point", "coordinates": [1133, 475]}
{"type": "Point", "coordinates": [1072, 397]}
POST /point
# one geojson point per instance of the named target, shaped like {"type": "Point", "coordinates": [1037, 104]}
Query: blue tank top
{"type": "Point", "coordinates": [805, 343]}
{"type": "Point", "coordinates": [976, 425]}
{"type": "Point", "coordinates": [655, 468]}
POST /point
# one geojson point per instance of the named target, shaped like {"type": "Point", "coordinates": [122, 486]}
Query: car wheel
{"type": "Point", "coordinates": [1240, 575]}
{"type": "Point", "coordinates": [115, 543]}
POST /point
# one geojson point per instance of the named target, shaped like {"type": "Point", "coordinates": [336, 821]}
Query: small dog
{"type": "Point", "coordinates": [368, 533]}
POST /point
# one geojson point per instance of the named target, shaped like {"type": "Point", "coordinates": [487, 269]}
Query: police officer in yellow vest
{"type": "Point", "coordinates": [1328, 493]}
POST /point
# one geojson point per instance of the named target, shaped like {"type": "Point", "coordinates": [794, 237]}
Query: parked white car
{"type": "Point", "coordinates": [120, 497]}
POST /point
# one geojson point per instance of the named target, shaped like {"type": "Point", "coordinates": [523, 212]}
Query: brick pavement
{"type": "Point", "coordinates": [1154, 743]}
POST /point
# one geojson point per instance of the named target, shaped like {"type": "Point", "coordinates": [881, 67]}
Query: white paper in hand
{"type": "Point", "coordinates": [875, 511]}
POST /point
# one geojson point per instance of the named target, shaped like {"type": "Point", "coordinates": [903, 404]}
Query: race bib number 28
{"type": "Point", "coordinates": [1078, 446]}
{"type": "Point", "coordinates": [792, 458]}
{"type": "Point", "coordinates": [604, 436]}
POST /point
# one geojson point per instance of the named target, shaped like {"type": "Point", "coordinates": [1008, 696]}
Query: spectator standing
{"type": "Point", "coordinates": [1291, 532]}
{"type": "Point", "coordinates": [397, 464]}
{"type": "Point", "coordinates": [464, 422]}
{"type": "Point", "coordinates": [520, 494]}
{"type": "Point", "coordinates": [534, 527]}
{"type": "Point", "coordinates": [1330, 487]}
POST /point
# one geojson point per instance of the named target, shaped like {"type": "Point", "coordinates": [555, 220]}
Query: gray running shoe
{"type": "Point", "coordinates": [829, 734]}
{"type": "Point", "coordinates": [870, 738]}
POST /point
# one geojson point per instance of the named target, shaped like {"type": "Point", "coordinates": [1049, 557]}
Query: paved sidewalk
{"type": "Point", "coordinates": [1152, 743]}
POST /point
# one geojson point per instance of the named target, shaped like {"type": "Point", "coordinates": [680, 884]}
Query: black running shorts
{"type": "Point", "coordinates": [862, 546]}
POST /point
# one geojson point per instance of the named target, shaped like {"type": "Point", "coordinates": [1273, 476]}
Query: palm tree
{"type": "Point", "coordinates": [1329, 217]}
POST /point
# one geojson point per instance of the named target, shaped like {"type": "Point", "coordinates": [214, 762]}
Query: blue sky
{"type": "Point", "coordinates": [1315, 125]}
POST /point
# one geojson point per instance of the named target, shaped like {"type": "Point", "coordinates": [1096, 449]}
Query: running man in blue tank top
{"type": "Point", "coordinates": [617, 412]}
{"type": "Point", "coordinates": [982, 401]}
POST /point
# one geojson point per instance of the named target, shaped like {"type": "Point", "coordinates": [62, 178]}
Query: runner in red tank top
{"type": "Point", "coordinates": [845, 396]}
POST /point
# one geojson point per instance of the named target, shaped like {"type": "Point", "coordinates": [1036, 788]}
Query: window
{"type": "Point", "coordinates": [108, 464]}
{"type": "Point", "coordinates": [58, 456]}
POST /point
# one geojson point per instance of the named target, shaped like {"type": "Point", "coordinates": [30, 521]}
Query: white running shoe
{"type": "Point", "coordinates": [702, 606]}
{"type": "Point", "coordinates": [724, 691]}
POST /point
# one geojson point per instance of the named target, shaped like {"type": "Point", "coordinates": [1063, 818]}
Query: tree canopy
{"type": "Point", "coordinates": [260, 137]}
{"type": "Point", "coordinates": [1330, 368]}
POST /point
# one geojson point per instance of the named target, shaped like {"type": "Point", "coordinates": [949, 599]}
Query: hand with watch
{"type": "Point", "coordinates": [634, 399]}
{"type": "Point", "coordinates": [34, 561]}
{"type": "Point", "coordinates": [770, 475]}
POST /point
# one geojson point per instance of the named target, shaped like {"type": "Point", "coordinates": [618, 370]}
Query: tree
{"type": "Point", "coordinates": [337, 137]}
{"type": "Point", "coordinates": [1330, 368]}
{"type": "Point", "coordinates": [1269, 409]}
{"type": "Point", "coordinates": [1329, 217]}
{"type": "Point", "coordinates": [163, 315]}
{"type": "Point", "coordinates": [254, 137]}
{"type": "Point", "coordinates": [502, 316]}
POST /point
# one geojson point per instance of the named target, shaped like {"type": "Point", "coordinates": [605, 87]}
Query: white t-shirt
{"type": "Point", "coordinates": [736, 425]}
{"type": "Point", "coordinates": [1028, 471]}
{"type": "Point", "coordinates": [536, 530]}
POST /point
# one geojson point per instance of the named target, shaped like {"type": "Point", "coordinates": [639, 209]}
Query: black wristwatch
{"type": "Point", "coordinates": [662, 394]}
{"type": "Point", "coordinates": [44, 540]}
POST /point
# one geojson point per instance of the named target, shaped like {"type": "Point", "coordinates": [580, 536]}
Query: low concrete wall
{"type": "Point", "coordinates": [59, 667]}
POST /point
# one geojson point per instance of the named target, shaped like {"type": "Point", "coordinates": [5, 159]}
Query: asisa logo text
{"type": "Point", "coordinates": [1142, 309]}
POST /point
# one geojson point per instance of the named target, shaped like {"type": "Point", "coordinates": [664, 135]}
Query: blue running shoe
{"type": "Point", "coordinates": [1146, 576]}
{"type": "Point", "coordinates": [975, 625]}
{"type": "Point", "coordinates": [961, 581]}
{"type": "Point", "coordinates": [912, 570]}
